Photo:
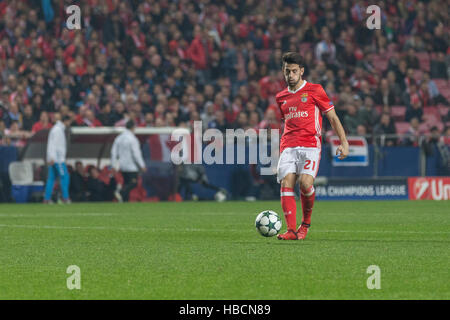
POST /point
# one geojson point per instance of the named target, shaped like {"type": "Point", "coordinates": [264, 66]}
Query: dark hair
{"type": "Point", "coordinates": [90, 169]}
{"type": "Point", "coordinates": [293, 57]}
{"type": "Point", "coordinates": [66, 118]}
{"type": "Point", "coordinates": [130, 124]}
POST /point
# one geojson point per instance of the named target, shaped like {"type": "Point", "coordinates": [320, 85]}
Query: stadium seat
{"type": "Point", "coordinates": [443, 110]}
{"type": "Point", "coordinates": [402, 127]}
{"type": "Point", "coordinates": [430, 124]}
{"type": "Point", "coordinates": [431, 114]}
{"type": "Point", "coordinates": [424, 127]}
{"type": "Point", "coordinates": [446, 93]}
{"type": "Point", "coordinates": [398, 113]}
{"type": "Point", "coordinates": [441, 84]}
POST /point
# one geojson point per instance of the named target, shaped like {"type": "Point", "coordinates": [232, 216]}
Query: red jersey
{"type": "Point", "coordinates": [302, 113]}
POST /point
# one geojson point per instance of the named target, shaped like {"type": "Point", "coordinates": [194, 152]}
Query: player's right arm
{"type": "Point", "coordinates": [279, 103]}
{"type": "Point", "coordinates": [336, 124]}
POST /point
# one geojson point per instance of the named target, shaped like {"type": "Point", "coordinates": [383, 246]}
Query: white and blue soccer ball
{"type": "Point", "coordinates": [268, 223]}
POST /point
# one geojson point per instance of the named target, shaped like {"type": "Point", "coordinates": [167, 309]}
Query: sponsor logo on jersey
{"type": "Point", "coordinates": [298, 114]}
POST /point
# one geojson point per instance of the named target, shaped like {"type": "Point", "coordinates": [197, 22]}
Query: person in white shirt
{"type": "Point", "coordinates": [126, 155]}
{"type": "Point", "coordinates": [56, 160]}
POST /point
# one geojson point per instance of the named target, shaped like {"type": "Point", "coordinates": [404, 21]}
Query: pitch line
{"type": "Point", "coordinates": [54, 215]}
{"type": "Point", "coordinates": [29, 226]}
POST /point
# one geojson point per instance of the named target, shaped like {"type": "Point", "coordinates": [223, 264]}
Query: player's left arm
{"type": "Point", "coordinates": [343, 148]}
{"type": "Point", "coordinates": [327, 107]}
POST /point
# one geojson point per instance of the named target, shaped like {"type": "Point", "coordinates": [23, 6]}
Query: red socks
{"type": "Point", "coordinates": [307, 197]}
{"type": "Point", "coordinates": [289, 207]}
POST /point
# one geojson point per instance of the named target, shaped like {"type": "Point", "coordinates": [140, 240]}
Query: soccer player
{"type": "Point", "coordinates": [56, 159]}
{"type": "Point", "coordinates": [301, 105]}
{"type": "Point", "coordinates": [127, 156]}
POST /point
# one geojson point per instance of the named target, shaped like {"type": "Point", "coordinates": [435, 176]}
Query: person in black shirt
{"type": "Point", "coordinates": [97, 189]}
{"type": "Point", "coordinates": [28, 118]}
{"type": "Point", "coordinates": [78, 183]}
{"type": "Point", "coordinates": [386, 126]}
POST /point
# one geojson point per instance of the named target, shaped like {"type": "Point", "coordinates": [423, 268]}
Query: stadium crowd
{"type": "Point", "coordinates": [172, 62]}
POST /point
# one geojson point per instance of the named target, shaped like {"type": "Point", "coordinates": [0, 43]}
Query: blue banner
{"type": "Point", "coordinates": [363, 190]}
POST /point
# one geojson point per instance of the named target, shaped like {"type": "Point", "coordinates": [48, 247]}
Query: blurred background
{"type": "Point", "coordinates": [166, 64]}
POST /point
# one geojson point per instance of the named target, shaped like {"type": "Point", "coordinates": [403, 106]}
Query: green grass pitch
{"type": "Point", "coordinates": [208, 250]}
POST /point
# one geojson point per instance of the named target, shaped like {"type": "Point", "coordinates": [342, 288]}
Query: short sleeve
{"type": "Point", "coordinates": [322, 100]}
{"type": "Point", "coordinates": [279, 107]}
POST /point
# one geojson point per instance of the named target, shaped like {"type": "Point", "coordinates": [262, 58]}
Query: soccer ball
{"type": "Point", "coordinates": [268, 223]}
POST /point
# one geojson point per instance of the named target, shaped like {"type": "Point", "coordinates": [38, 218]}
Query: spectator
{"type": "Point", "coordinates": [219, 121]}
{"type": "Point", "coordinates": [208, 115]}
{"type": "Point", "coordinates": [361, 131]}
{"type": "Point", "coordinates": [411, 59]}
{"type": "Point", "coordinates": [16, 136]}
{"type": "Point", "coordinates": [433, 91]}
{"type": "Point", "coordinates": [351, 120]}
{"type": "Point", "coordinates": [394, 87]}
{"type": "Point", "coordinates": [43, 123]}
{"type": "Point", "coordinates": [167, 64]}
{"type": "Point", "coordinates": [86, 118]}
{"type": "Point", "coordinates": [97, 189]}
{"type": "Point", "coordinates": [325, 49]}
{"type": "Point", "coordinates": [438, 67]}
{"type": "Point", "coordinates": [241, 121]}
{"type": "Point", "coordinates": [367, 114]}
{"type": "Point", "coordinates": [412, 135]}
{"type": "Point", "coordinates": [270, 119]}
{"type": "Point", "coordinates": [271, 85]}
{"type": "Point", "coordinates": [386, 127]}
{"type": "Point", "coordinates": [434, 146]}
{"type": "Point", "coordinates": [384, 95]}
{"type": "Point", "coordinates": [415, 111]}
{"type": "Point", "coordinates": [28, 118]}
{"type": "Point", "coordinates": [105, 116]}
{"type": "Point", "coordinates": [447, 137]}
{"type": "Point", "coordinates": [13, 114]}
{"type": "Point", "coordinates": [2, 132]}
{"type": "Point", "coordinates": [77, 188]}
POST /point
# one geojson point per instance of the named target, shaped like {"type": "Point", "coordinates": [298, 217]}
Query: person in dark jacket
{"type": "Point", "coordinates": [97, 189]}
{"type": "Point", "coordinates": [78, 183]}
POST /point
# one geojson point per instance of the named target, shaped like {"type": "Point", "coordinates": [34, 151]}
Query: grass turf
{"type": "Point", "coordinates": [208, 250]}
